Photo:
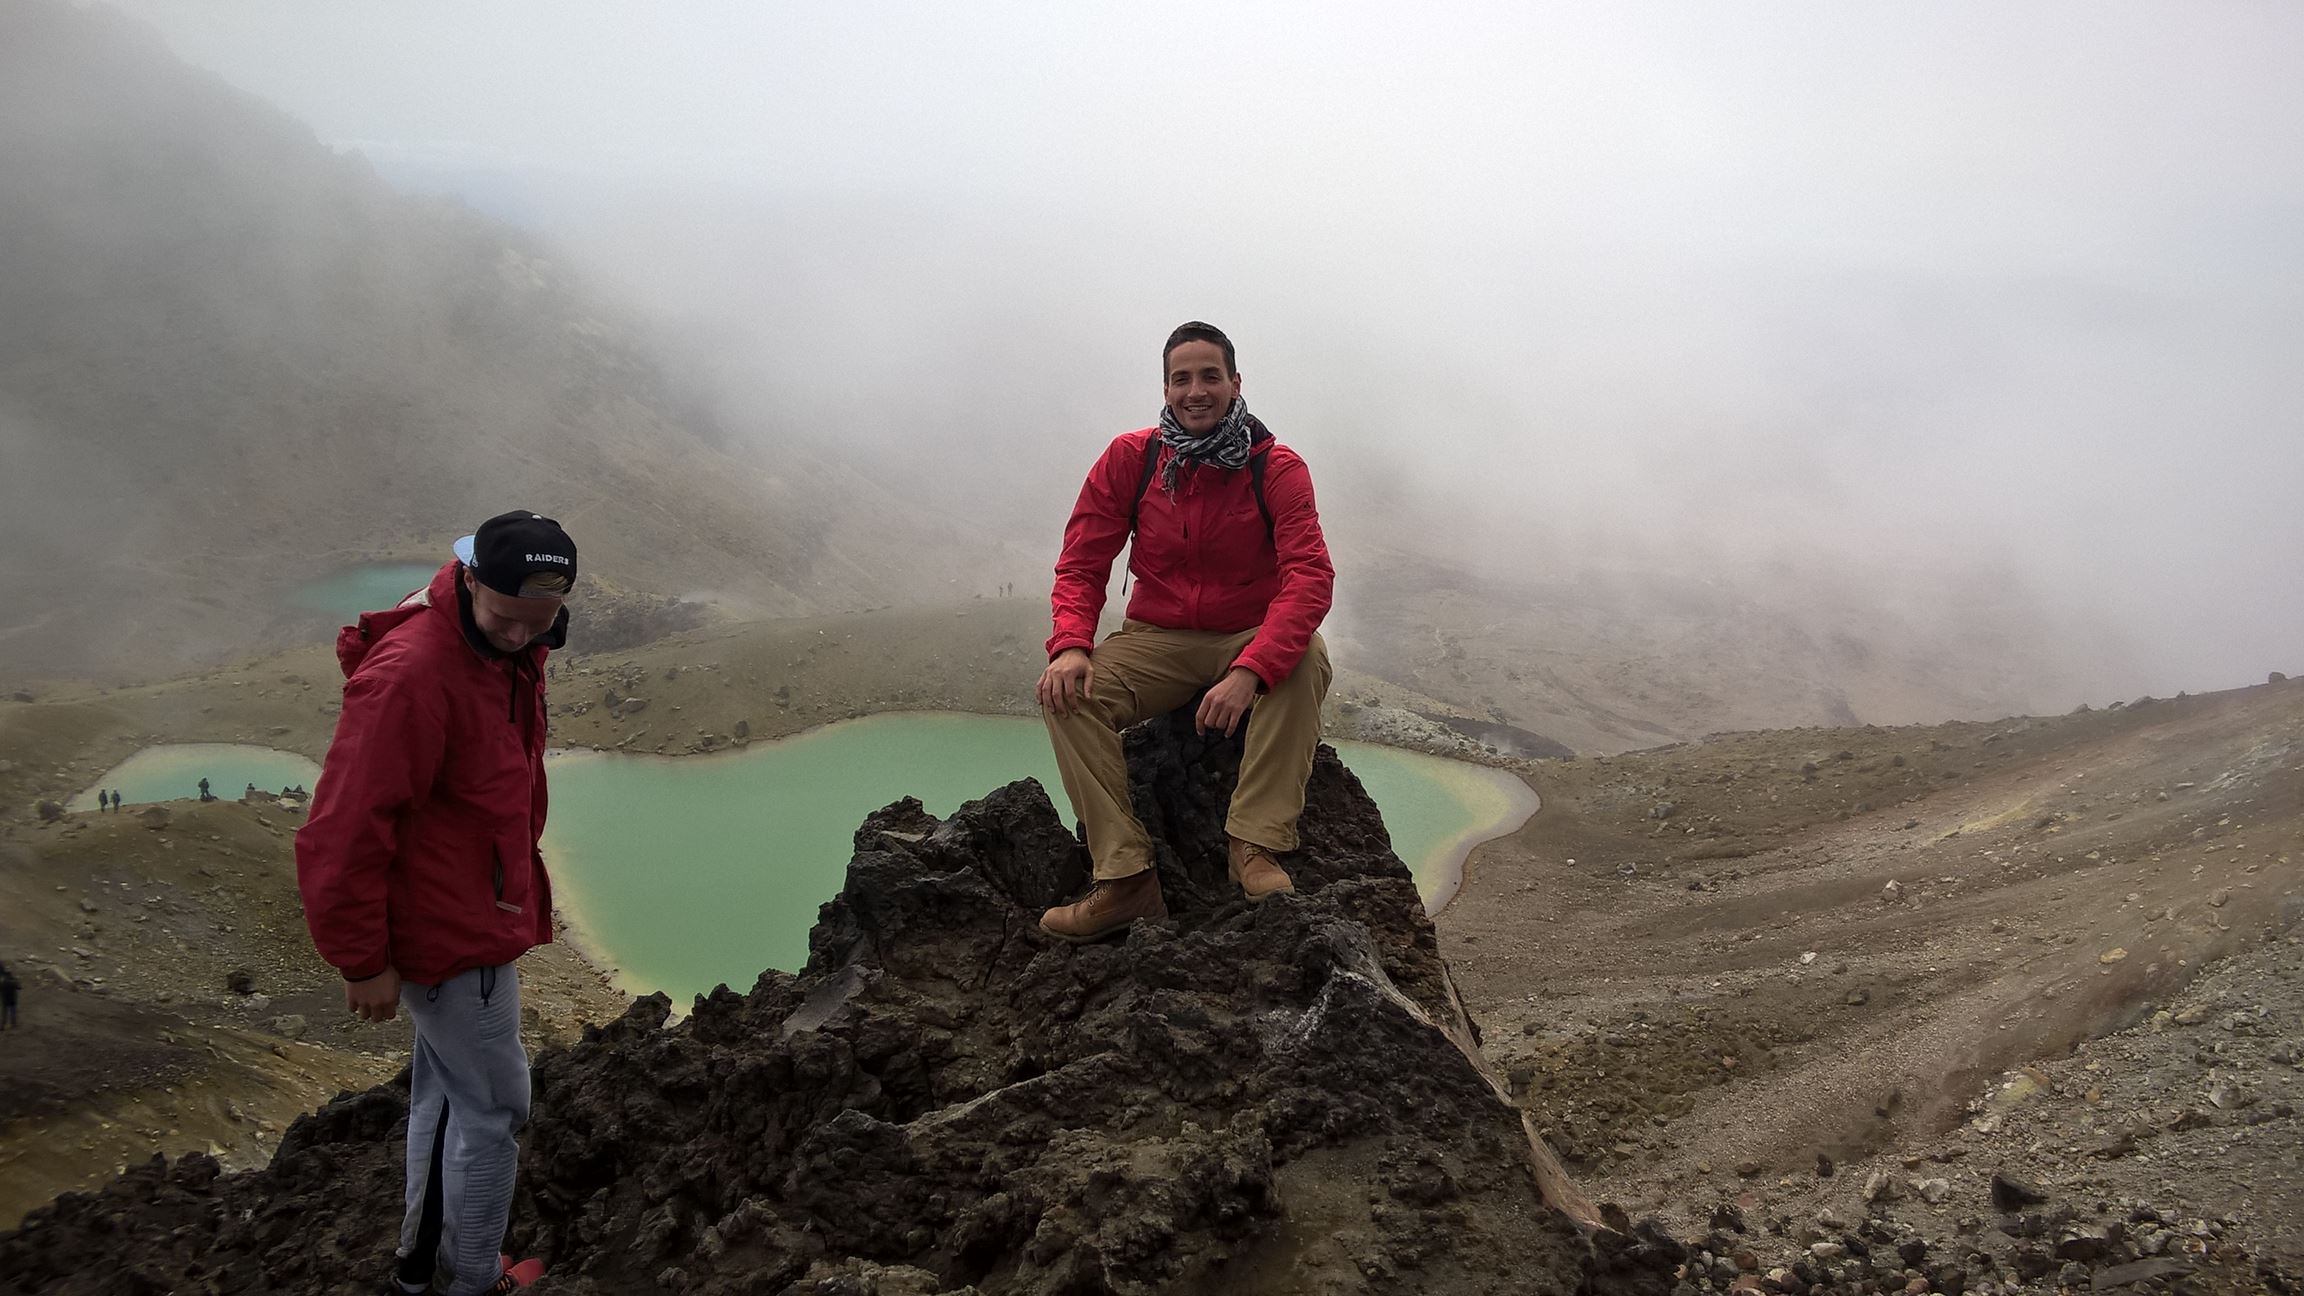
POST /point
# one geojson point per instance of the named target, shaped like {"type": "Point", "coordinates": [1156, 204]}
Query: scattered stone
{"type": "Point", "coordinates": [2111, 956]}
{"type": "Point", "coordinates": [2117, 1276]}
{"type": "Point", "coordinates": [1882, 1187]}
{"type": "Point", "coordinates": [2010, 1192]}
{"type": "Point", "coordinates": [50, 811]}
{"type": "Point", "coordinates": [1858, 997]}
{"type": "Point", "coordinates": [240, 981]}
{"type": "Point", "coordinates": [1935, 1192]}
{"type": "Point", "coordinates": [288, 1026]}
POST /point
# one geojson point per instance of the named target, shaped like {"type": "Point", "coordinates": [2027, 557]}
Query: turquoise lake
{"type": "Point", "coordinates": [680, 873]}
{"type": "Point", "coordinates": [367, 588]}
{"type": "Point", "coordinates": [683, 873]}
{"type": "Point", "coordinates": [173, 773]}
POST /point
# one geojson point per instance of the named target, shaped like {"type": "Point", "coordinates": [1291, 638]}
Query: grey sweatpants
{"type": "Point", "coordinates": [467, 1098]}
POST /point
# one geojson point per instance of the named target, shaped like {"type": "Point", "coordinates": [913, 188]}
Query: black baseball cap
{"type": "Point", "coordinates": [521, 555]}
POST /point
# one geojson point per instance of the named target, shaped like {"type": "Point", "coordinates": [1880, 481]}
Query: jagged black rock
{"type": "Point", "coordinates": [1267, 1099]}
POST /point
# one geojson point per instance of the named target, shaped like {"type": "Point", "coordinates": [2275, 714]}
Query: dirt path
{"type": "Point", "coordinates": [1826, 947]}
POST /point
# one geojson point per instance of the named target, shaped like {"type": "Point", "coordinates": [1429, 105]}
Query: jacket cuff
{"type": "Point", "coordinates": [1066, 643]}
{"type": "Point", "coordinates": [1268, 678]}
{"type": "Point", "coordinates": [365, 972]}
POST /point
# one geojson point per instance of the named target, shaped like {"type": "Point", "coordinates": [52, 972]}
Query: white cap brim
{"type": "Point", "coordinates": [464, 551]}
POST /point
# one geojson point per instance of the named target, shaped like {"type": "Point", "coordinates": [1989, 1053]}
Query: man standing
{"type": "Point", "coordinates": [422, 879]}
{"type": "Point", "coordinates": [1232, 579]}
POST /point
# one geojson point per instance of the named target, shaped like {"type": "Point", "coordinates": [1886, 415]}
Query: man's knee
{"type": "Point", "coordinates": [1109, 707]}
{"type": "Point", "coordinates": [1312, 672]}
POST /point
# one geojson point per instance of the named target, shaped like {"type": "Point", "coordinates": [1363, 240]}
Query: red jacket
{"type": "Point", "coordinates": [420, 853]}
{"type": "Point", "coordinates": [1201, 560]}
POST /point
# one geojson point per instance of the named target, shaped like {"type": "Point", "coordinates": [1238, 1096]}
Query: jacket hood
{"type": "Point", "coordinates": [354, 641]}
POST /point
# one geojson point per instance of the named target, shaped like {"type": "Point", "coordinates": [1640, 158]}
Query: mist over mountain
{"type": "Point", "coordinates": [1608, 478]}
{"type": "Point", "coordinates": [232, 359]}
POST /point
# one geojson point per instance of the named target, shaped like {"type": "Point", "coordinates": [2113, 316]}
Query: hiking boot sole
{"type": "Point", "coordinates": [1090, 938]}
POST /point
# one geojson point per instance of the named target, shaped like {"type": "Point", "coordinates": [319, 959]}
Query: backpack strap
{"type": "Point", "coordinates": [1144, 483]}
{"type": "Point", "coordinates": [1256, 460]}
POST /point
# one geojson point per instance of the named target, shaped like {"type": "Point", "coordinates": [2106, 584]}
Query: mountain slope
{"type": "Point", "coordinates": [231, 360]}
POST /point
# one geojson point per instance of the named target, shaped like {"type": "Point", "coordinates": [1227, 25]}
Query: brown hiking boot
{"type": "Point", "coordinates": [1107, 909]}
{"type": "Point", "coordinates": [1257, 872]}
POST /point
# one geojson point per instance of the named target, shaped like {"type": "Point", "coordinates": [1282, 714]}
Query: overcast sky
{"type": "Point", "coordinates": [1921, 282]}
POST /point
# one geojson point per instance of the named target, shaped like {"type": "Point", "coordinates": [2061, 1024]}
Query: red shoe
{"type": "Point", "coordinates": [517, 1276]}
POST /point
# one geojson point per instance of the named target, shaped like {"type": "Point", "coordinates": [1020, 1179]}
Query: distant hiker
{"type": "Point", "coordinates": [205, 795]}
{"type": "Point", "coordinates": [251, 791]}
{"type": "Point", "coordinates": [116, 803]}
{"type": "Point", "coordinates": [103, 801]}
{"type": "Point", "coordinates": [9, 986]}
{"type": "Point", "coordinates": [422, 878]}
{"type": "Point", "coordinates": [1232, 580]}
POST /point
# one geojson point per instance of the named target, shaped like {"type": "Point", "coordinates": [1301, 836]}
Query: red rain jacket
{"type": "Point", "coordinates": [1202, 560]}
{"type": "Point", "coordinates": [420, 853]}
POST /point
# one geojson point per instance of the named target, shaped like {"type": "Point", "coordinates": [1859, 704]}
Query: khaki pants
{"type": "Point", "coordinates": [1144, 670]}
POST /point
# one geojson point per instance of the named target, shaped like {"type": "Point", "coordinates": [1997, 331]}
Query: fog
{"type": "Point", "coordinates": [1898, 293]}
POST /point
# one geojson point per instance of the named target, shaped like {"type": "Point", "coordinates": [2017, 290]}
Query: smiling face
{"type": "Point", "coordinates": [507, 622]}
{"type": "Point", "coordinates": [1199, 385]}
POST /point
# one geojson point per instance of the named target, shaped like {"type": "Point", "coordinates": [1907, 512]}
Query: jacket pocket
{"type": "Point", "coordinates": [512, 877]}
{"type": "Point", "coordinates": [1244, 554]}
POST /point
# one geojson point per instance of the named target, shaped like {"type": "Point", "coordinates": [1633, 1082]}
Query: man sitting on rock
{"type": "Point", "coordinates": [1232, 580]}
{"type": "Point", "coordinates": [422, 879]}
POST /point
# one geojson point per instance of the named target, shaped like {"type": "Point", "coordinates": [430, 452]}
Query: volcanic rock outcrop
{"type": "Point", "coordinates": [1269, 1099]}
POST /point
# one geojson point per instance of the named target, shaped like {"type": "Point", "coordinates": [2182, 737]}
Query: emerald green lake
{"type": "Point", "coordinates": [370, 587]}
{"type": "Point", "coordinates": [173, 772]}
{"type": "Point", "coordinates": [681, 873]}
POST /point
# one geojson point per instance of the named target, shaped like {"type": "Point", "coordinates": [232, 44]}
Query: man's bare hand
{"type": "Point", "coordinates": [375, 999]}
{"type": "Point", "coordinates": [1068, 683]}
{"type": "Point", "coordinates": [1224, 705]}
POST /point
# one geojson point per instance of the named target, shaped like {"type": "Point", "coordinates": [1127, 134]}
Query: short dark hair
{"type": "Point", "coordinates": [1196, 331]}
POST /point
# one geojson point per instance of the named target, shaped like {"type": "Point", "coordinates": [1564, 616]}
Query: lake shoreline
{"type": "Point", "coordinates": [1483, 807]}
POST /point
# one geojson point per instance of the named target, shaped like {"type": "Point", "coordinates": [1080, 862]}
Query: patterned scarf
{"type": "Point", "coordinates": [1226, 445]}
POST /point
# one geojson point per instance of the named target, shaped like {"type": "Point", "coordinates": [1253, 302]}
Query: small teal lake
{"type": "Point", "coordinates": [173, 773]}
{"type": "Point", "coordinates": [683, 873]}
{"type": "Point", "coordinates": [370, 587]}
{"type": "Point", "coordinates": [680, 873]}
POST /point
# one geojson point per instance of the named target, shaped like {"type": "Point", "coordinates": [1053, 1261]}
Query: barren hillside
{"type": "Point", "coordinates": [232, 360]}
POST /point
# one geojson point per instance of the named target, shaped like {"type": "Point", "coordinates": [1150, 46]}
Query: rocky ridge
{"type": "Point", "coordinates": [1279, 1098]}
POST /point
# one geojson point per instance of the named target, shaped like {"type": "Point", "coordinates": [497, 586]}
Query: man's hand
{"type": "Point", "coordinates": [1225, 704]}
{"type": "Point", "coordinates": [375, 999]}
{"type": "Point", "coordinates": [1068, 683]}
